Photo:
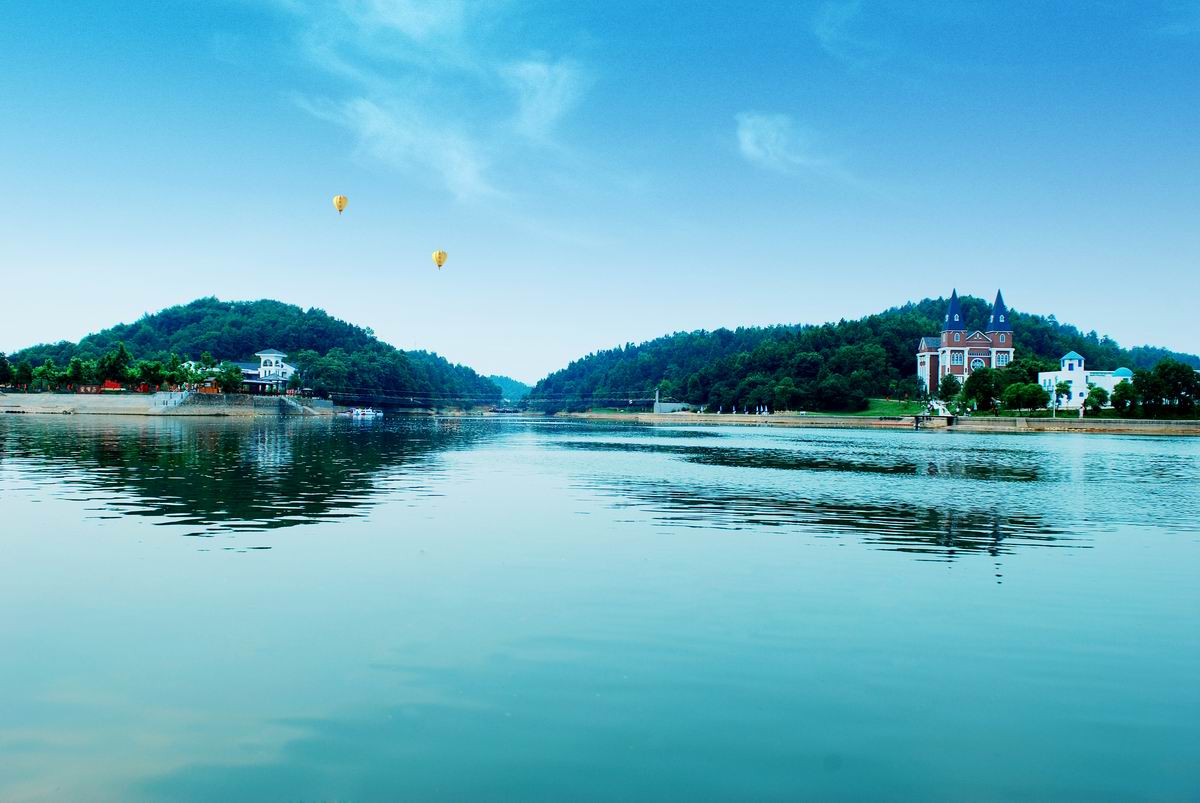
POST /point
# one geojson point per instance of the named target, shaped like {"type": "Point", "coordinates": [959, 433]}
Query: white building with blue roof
{"type": "Point", "coordinates": [1073, 371]}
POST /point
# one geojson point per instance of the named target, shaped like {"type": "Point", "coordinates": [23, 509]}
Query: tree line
{"type": "Point", "coordinates": [1168, 390]}
{"type": "Point", "coordinates": [830, 367]}
{"type": "Point", "coordinates": [118, 365]}
{"type": "Point", "coordinates": [332, 356]}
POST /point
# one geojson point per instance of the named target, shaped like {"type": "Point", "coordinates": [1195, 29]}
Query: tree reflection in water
{"type": "Point", "coordinates": [215, 475]}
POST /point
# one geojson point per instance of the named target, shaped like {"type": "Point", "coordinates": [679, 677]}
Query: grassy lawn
{"type": "Point", "coordinates": [877, 407]}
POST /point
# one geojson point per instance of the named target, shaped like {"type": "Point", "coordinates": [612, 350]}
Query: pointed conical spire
{"type": "Point", "coordinates": [999, 322]}
{"type": "Point", "coordinates": [954, 317]}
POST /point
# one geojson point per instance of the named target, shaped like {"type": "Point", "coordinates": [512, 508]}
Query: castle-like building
{"type": "Point", "coordinates": [960, 351]}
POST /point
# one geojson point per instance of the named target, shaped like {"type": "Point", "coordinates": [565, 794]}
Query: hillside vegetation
{"type": "Point", "coordinates": [834, 367]}
{"type": "Point", "coordinates": [333, 356]}
{"type": "Point", "coordinates": [511, 389]}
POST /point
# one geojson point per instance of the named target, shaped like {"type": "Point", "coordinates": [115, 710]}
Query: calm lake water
{"type": "Point", "coordinates": [471, 609]}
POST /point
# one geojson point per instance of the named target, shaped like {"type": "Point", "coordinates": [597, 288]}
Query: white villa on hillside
{"type": "Point", "coordinates": [269, 374]}
{"type": "Point", "coordinates": [1072, 371]}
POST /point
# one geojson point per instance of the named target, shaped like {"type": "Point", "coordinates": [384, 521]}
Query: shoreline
{"type": "Point", "coordinates": [1101, 426]}
{"type": "Point", "coordinates": [156, 405]}
{"type": "Point", "coordinates": [152, 405]}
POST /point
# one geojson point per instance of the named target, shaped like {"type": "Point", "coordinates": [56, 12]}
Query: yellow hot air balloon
{"type": "Point", "coordinates": [339, 203]}
{"type": "Point", "coordinates": [439, 258]}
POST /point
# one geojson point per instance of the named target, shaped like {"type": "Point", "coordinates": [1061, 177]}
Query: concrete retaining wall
{"type": "Point", "coordinates": [1115, 426]}
{"type": "Point", "coordinates": [215, 404]}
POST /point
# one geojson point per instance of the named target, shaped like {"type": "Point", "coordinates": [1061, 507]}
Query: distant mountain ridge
{"type": "Point", "coordinates": [511, 389]}
{"type": "Point", "coordinates": [333, 355]}
{"type": "Point", "coordinates": [834, 366]}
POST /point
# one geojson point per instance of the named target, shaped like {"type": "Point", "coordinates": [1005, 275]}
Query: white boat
{"type": "Point", "coordinates": [365, 412]}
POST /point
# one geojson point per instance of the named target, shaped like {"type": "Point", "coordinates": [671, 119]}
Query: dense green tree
{"type": "Point", "coordinates": [1062, 390]}
{"type": "Point", "coordinates": [46, 376]}
{"type": "Point", "coordinates": [23, 374]}
{"type": "Point", "coordinates": [6, 370]}
{"type": "Point", "coordinates": [1179, 385]}
{"type": "Point", "coordinates": [980, 388]}
{"type": "Point", "coordinates": [228, 377]}
{"type": "Point", "coordinates": [174, 373]}
{"type": "Point", "coordinates": [1149, 391]}
{"type": "Point", "coordinates": [115, 364]}
{"type": "Point", "coordinates": [1124, 398]}
{"type": "Point", "coordinates": [151, 372]}
{"type": "Point", "coordinates": [1025, 396]}
{"type": "Point", "coordinates": [76, 372]}
{"type": "Point", "coordinates": [873, 356]}
{"type": "Point", "coordinates": [786, 396]}
{"type": "Point", "coordinates": [346, 360]}
{"type": "Point", "coordinates": [1096, 399]}
{"type": "Point", "coordinates": [949, 388]}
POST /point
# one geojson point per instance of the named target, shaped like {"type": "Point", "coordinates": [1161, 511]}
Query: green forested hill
{"type": "Point", "coordinates": [331, 354]}
{"type": "Point", "coordinates": [834, 366]}
{"type": "Point", "coordinates": [511, 389]}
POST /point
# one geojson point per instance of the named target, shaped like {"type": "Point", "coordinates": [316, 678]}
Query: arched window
{"type": "Point", "coordinates": [956, 316]}
{"type": "Point", "coordinates": [957, 336]}
{"type": "Point", "coordinates": [1001, 319]}
{"type": "Point", "coordinates": [1001, 337]}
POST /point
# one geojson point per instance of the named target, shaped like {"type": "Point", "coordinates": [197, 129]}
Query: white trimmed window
{"type": "Point", "coordinates": [1002, 358]}
{"type": "Point", "coordinates": [956, 358]}
{"type": "Point", "coordinates": [957, 336]}
{"type": "Point", "coordinates": [977, 363]}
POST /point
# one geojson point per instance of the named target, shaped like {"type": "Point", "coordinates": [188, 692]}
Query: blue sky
{"type": "Point", "coordinates": [601, 172]}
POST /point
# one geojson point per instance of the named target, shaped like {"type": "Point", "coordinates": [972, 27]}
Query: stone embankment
{"type": "Point", "coordinates": [1115, 426]}
{"type": "Point", "coordinates": [157, 404]}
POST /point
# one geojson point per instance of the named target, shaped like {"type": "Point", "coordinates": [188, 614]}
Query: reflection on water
{"type": "Point", "coordinates": [903, 528]}
{"type": "Point", "coordinates": [953, 465]}
{"type": "Point", "coordinates": [212, 475]}
{"type": "Point", "coordinates": [556, 610]}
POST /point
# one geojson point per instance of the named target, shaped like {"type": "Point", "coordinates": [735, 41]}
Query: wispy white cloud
{"type": "Point", "coordinates": [773, 142]}
{"type": "Point", "coordinates": [545, 92]}
{"type": "Point", "coordinates": [837, 26]}
{"type": "Point", "coordinates": [420, 20]}
{"type": "Point", "coordinates": [406, 138]}
{"type": "Point", "coordinates": [425, 89]}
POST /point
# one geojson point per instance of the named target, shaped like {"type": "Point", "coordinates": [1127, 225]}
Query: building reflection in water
{"type": "Point", "coordinates": [214, 475]}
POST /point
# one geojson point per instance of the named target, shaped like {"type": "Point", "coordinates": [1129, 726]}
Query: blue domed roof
{"type": "Point", "coordinates": [1123, 372]}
